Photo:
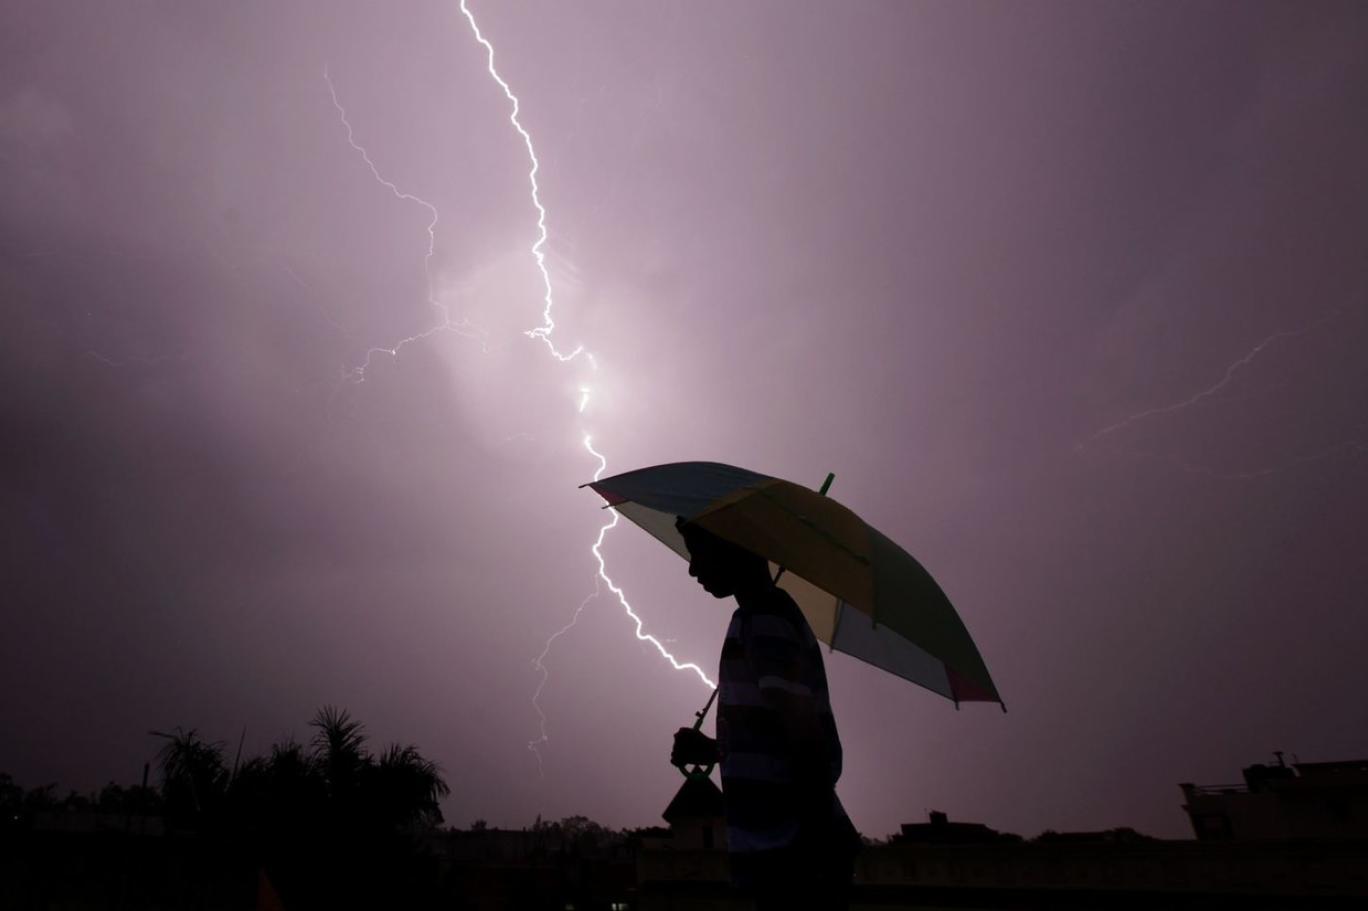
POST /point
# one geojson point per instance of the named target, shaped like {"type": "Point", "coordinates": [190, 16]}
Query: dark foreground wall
{"type": "Point", "coordinates": [1029, 876]}
{"type": "Point", "coordinates": [111, 870]}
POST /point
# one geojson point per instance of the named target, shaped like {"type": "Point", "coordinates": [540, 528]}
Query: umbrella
{"type": "Point", "coordinates": [861, 593]}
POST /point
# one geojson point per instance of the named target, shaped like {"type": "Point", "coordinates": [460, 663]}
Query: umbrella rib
{"type": "Point", "coordinates": [836, 624]}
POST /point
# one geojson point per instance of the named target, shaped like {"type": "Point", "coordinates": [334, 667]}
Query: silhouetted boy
{"type": "Point", "coordinates": [790, 841]}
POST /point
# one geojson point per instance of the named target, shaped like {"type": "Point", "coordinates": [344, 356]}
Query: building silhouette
{"type": "Point", "coordinates": [1299, 844]}
{"type": "Point", "coordinates": [1319, 800]}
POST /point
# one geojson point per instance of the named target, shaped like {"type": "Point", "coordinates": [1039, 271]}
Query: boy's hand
{"type": "Point", "coordinates": [693, 747]}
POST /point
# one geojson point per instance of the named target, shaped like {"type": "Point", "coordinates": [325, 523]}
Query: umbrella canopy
{"type": "Point", "coordinates": [861, 593]}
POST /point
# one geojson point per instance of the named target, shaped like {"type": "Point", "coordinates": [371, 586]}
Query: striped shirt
{"type": "Point", "coordinates": [780, 753]}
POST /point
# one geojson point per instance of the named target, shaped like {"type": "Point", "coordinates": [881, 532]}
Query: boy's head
{"type": "Point", "coordinates": [721, 567]}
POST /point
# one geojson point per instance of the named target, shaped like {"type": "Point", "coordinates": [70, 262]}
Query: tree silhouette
{"type": "Point", "coordinates": [329, 823]}
{"type": "Point", "coordinates": [404, 788]}
{"type": "Point", "coordinates": [194, 779]}
{"type": "Point", "coordinates": [339, 745]}
{"type": "Point", "coordinates": [280, 795]}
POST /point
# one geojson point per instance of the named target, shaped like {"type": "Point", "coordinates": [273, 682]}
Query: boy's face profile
{"type": "Point", "coordinates": [720, 567]}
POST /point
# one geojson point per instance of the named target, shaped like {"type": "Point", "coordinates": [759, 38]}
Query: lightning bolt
{"type": "Point", "coordinates": [543, 333]}
{"type": "Point", "coordinates": [600, 580]}
{"type": "Point", "coordinates": [1354, 447]}
{"type": "Point", "coordinates": [1215, 388]}
{"type": "Point", "coordinates": [548, 325]}
{"type": "Point", "coordinates": [462, 327]}
{"type": "Point", "coordinates": [540, 666]}
{"type": "Point", "coordinates": [622, 599]}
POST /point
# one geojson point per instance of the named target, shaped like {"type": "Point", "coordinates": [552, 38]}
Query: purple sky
{"type": "Point", "coordinates": [936, 248]}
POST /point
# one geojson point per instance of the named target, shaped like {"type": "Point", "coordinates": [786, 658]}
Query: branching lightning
{"type": "Point", "coordinates": [622, 599]}
{"type": "Point", "coordinates": [543, 334]}
{"type": "Point", "coordinates": [1353, 447]}
{"type": "Point", "coordinates": [1215, 388]}
{"type": "Point", "coordinates": [462, 327]}
{"type": "Point", "coordinates": [540, 667]}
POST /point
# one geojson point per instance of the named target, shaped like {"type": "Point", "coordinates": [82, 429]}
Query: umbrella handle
{"type": "Point", "coordinates": [703, 712]}
{"type": "Point", "coordinates": [699, 770]}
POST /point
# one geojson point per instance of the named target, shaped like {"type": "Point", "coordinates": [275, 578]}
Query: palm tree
{"type": "Point", "coordinates": [339, 746]}
{"type": "Point", "coordinates": [332, 824]}
{"type": "Point", "coordinates": [194, 779]}
{"type": "Point", "coordinates": [285, 792]}
{"type": "Point", "coordinates": [405, 788]}
{"type": "Point", "coordinates": [334, 783]}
